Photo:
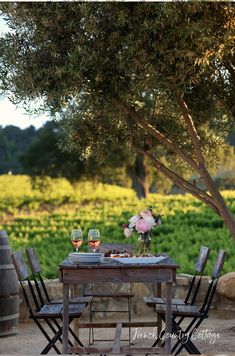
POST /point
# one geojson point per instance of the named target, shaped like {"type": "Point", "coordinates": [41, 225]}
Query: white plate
{"type": "Point", "coordinates": [141, 260]}
{"type": "Point", "coordinates": [137, 260]}
{"type": "Point", "coordinates": [86, 257]}
{"type": "Point", "coordinates": [85, 254]}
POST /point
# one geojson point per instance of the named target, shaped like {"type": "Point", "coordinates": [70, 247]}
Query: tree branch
{"type": "Point", "coordinates": [170, 174]}
{"type": "Point", "coordinates": [191, 129]}
{"type": "Point", "coordinates": [198, 152]}
{"type": "Point", "coordinates": [179, 181]}
{"type": "Point", "coordinates": [182, 183]}
{"type": "Point", "coordinates": [160, 137]}
{"type": "Point", "coordinates": [215, 199]}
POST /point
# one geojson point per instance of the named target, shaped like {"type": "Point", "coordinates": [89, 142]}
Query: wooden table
{"type": "Point", "coordinates": [162, 272]}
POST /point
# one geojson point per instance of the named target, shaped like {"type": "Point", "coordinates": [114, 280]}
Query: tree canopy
{"type": "Point", "coordinates": [150, 77]}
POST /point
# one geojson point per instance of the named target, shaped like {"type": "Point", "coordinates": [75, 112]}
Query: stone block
{"type": "Point", "coordinates": [226, 285]}
{"type": "Point", "coordinates": [184, 279]}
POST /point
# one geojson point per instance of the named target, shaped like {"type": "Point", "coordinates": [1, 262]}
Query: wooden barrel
{"type": "Point", "coordinates": [9, 289]}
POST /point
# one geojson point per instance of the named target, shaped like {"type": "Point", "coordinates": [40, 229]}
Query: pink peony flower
{"type": "Point", "coordinates": [142, 223]}
{"type": "Point", "coordinates": [142, 226]}
{"type": "Point", "coordinates": [133, 220]}
{"type": "Point", "coordinates": [127, 232]}
{"type": "Point", "coordinates": [145, 213]}
{"type": "Point", "coordinates": [150, 221]}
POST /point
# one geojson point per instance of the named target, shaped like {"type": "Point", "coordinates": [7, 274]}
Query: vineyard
{"type": "Point", "coordinates": [42, 213]}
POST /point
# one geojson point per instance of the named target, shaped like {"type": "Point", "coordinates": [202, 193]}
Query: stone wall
{"type": "Point", "coordinates": [224, 306]}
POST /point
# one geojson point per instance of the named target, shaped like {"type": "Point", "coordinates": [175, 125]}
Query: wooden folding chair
{"type": "Point", "coordinates": [127, 295]}
{"type": "Point", "coordinates": [194, 285]}
{"type": "Point", "coordinates": [193, 290]}
{"type": "Point", "coordinates": [197, 315]}
{"type": "Point", "coordinates": [50, 313]}
{"type": "Point", "coordinates": [43, 294]}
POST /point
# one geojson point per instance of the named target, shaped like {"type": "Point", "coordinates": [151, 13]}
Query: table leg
{"type": "Point", "coordinates": [65, 318]}
{"type": "Point", "coordinates": [74, 294]}
{"type": "Point", "coordinates": [159, 320]}
{"type": "Point", "coordinates": [168, 317]}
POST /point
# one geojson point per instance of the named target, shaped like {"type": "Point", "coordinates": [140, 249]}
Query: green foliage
{"type": "Point", "coordinates": [40, 153]}
{"type": "Point", "coordinates": [147, 78]}
{"type": "Point", "coordinates": [13, 143]}
{"type": "Point", "coordinates": [44, 218]}
{"type": "Point", "coordinates": [43, 156]}
{"type": "Point", "coordinates": [94, 59]}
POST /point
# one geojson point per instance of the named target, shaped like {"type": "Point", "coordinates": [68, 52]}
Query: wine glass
{"type": "Point", "coordinates": [94, 239]}
{"type": "Point", "coordinates": [76, 238]}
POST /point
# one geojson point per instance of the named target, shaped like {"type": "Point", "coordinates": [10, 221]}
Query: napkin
{"type": "Point", "coordinates": [140, 260]}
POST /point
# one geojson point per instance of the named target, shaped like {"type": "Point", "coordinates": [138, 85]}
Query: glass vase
{"type": "Point", "coordinates": [145, 243]}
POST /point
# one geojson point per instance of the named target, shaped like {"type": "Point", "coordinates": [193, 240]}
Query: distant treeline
{"type": "Point", "coordinates": [36, 152]}
{"type": "Point", "coordinates": [14, 142]}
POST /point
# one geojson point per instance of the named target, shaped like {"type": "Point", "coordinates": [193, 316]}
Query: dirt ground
{"type": "Point", "coordinates": [215, 336]}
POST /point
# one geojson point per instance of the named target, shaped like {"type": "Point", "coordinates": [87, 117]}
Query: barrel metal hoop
{"type": "Point", "coordinates": [9, 317]}
{"type": "Point", "coordinates": [9, 266]}
{"type": "Point", "coordinates": [4, 247]}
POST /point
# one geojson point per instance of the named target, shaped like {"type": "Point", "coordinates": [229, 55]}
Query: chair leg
{"type": "Point", "coordinates": [56, 337]}
{"type": "Point", "coordinates": [75, 336]}
{"type": "Point", "coordinates": [91, 330]}
{"type": "Point", "coordinates": [58, 328]}
{"type": "Point", "coordinates": [163, 332]}
{"type": "Point", "coordinates": [129, 318]}
{"type": "Point", "coordinates": [184, 338]}
{"type": "Point", "coordinates": [52, 342]}
{"type": "Point", "coordinates": [46, 336]}
{"type": "Point", "coordinates": [193, 348]}
{"type": "Point", "coordinates": [52, 327]}
{"type": "Point", "coordinates": [156, 342]}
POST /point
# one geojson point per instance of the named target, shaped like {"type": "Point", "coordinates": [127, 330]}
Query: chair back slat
{"type": "Point", "coordinates": [197, 288]}
{"type": "Point", "coordinates": [202, 259]}
{"type": "Point", "coordinates": [208, 295]}
{"type": "Point", "coordinates": [22, 272]}
{"type": "Point", "coordinates": [20, 266]}
{"type": "Point", "coordinates": [214, 279]}
{"type": "Point", "coordinates": [40, 296]}
{"type": "Point", "coordinates": [34, 296]}
{"type": "Point", "coordinates": [38, 280]}
{"type": "Point", "coordinates": [33, 260]}
{"type": "Point", "coordinates": [211, 295]}
{"type": "Point", "coordinates": [218, 264]}
{"type": "Point", "coordinates": [196, 282]}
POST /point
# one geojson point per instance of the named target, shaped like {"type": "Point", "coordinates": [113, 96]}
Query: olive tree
{"type": "Point", "coordinates": [152, 78]}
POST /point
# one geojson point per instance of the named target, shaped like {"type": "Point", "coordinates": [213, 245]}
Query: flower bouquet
{"type": "Point", "coordinates": [143, 223]}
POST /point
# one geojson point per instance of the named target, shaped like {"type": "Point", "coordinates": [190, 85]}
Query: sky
{"type": "Point", "coordinates": [13, 115]}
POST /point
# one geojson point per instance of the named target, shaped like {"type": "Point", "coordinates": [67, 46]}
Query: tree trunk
{"type": "Point", "coordinates": [138, 174]}
{"type": "Point", "coordinates": [218, 199]}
